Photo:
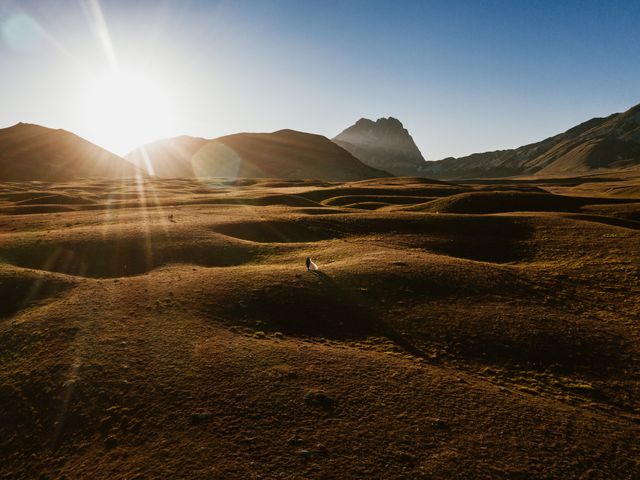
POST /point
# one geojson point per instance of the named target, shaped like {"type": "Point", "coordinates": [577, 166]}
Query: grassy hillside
{"type": "Point", "coordinates": [599, 144]}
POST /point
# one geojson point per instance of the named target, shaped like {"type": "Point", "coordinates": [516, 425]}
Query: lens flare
{"type": "Point", "coordinates": [21, 33]}
{"type": "Point", "coordinates": [216, 159]}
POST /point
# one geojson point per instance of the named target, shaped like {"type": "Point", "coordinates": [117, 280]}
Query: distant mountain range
{"type": "Point", "coordinates": [365, 150]}
{"type": "Point", "coordinates": [612, 142]}
{"type": "Point", "coordinates": [384, 144]}
{"type": "Point", "coordinates": [32, 152]}
{"type": "Point", "coordinates": [285, 154]}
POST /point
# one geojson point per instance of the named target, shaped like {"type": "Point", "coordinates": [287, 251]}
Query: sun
{"type": "Point", "coordinates": [126, 109]}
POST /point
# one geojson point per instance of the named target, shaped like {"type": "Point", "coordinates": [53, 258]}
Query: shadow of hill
{"type": "Point", "coordinates": [279, 231]}
{"type": "Point", "coordinates": [489, 239]}
{"type": "Point", "coordinates": [111, 257]}
{"type": "Point", "coordinates": [498, 202]}
{"type": "Point", "coordinates": [18, 289]}
{"type": "Point", "coordinates": [376, 326]}
{"type": "Point", "coordinates": [318, 307]}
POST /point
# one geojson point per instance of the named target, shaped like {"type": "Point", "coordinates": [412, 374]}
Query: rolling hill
{"type": "Point", "coordinates": [598, 144]}
{"type": "Point", "coordinates": [31, 152]}
{"type": "Point", "coordinates": [285, 154]}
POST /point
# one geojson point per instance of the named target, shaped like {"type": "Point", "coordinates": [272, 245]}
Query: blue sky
{"type": "Point", "coordinates": [462, 76]}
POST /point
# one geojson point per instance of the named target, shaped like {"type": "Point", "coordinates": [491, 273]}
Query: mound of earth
{"type": "Point", "coordinates": [127, 252]}
{"type": "Point", "coordinates": [355, 189]}
{"type": "Point", "coordinates": [501, 201]}
{"type": "Point", "coordinates": [20, 289]}
{"type": "Point", "coordinates": [388, 199]}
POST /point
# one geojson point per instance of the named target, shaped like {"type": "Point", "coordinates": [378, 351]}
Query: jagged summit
{"type": "Point", "coordinates": [383, 144]}
{"type": "Point", "coordinates": [387, 122]}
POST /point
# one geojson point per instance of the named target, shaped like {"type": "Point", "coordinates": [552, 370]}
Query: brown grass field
{"type": "Point", "coordinates": [169, 329]}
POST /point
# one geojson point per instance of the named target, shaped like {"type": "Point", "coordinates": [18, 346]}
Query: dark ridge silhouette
{"type": "Point", "coordinates": [285, 154]}
{"type": "Point", "coordinates": [31, 152]}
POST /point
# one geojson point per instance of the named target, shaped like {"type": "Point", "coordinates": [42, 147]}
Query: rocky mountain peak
{"type": "Point", "coordinates": [390, 122]}
{"type": "Point", "coordinates": [383, 144]}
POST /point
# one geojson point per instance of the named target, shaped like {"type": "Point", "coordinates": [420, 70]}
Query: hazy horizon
{"type": "Point", "coordinates": [462, 77]}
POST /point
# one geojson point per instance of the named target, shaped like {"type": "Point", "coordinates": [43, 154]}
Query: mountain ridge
{"type": "Point", "coordinates": [610, 142]}
{"type": "Point", "coordinates": [285, 154]}
{"type": "Point", "coordinates": [30, 151]}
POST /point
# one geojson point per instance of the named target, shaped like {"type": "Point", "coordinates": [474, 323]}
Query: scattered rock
{"type": "Point", "coordinates": [439, 424]}
{"type": "Point", "coordinates": [319, 399]}
{"type": "Point", "coordinates": [405, 457]}
{"type": "Point", "coordinates": [295, 441]}
{"type": "Point", "coordinates": [305, 454]}
{"type": "Point", "coordinates": [321, 450]}
{"type": "Point", "coordinates": [197, 418]}
{"type": "Point", "coordinates": [111, 442]}
{"type": "Point", "coordinates": [400, 264]}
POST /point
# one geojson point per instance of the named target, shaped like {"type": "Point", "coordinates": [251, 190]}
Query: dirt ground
{"type": "Point", "coordinates": [170, 329]}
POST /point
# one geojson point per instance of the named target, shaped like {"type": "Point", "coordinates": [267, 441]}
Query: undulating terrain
{"type": "Point", "coordinates": [168, 328]}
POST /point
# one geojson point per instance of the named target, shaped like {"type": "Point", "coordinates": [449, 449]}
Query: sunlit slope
{"type": "Point", "coordinates": [599, 144]}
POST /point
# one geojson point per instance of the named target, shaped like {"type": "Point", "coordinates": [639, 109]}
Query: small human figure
{"type": "Point", "coordinates": [308, 263]}
{"type": "Point", "coordinates": [171, 218]}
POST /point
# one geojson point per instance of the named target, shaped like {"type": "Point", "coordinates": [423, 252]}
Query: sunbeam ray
{"type": "Point", "coordinates": [100, 29]}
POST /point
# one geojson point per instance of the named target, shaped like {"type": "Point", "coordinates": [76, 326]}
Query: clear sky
{"type": "Point", "coordinates": [463, 76]}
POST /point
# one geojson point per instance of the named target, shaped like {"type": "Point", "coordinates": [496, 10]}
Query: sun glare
{"type": "Point", "coordinates": [125, 110]}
